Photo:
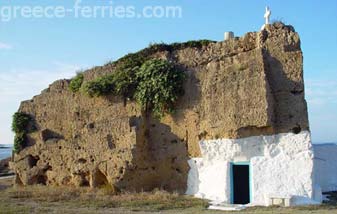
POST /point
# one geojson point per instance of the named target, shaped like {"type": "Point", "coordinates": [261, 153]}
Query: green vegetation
{"type": "Point", "coordinates": [191, 44]}
{"type": "Point", "coordinates": [155, 84]}
{"type": "Point", "coordinates": [76, 82]}
{"type": "Point", "coordinates": [141, 56]}
{"type": "Point", "coordinates": [160, 85]}
{"type": "Point", "coordinates": [100, 86]}
{"type": "Point", "coordinates": [121, 82]}
{"type": "Point", "coordinates": [20, 127]}
{"type": "Point", "coordinates": [19, 142]}
{"type": "Point", "coordinates": [20, 122]}
{"type": "Point", "coordinates": [137, 59]}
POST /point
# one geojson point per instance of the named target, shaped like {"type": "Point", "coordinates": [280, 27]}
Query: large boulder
{"type": "Point", "coordinates": [237, 88]}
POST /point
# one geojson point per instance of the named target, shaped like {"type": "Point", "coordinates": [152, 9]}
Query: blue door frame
{"type": "Point", "coordinates": [232, 181]}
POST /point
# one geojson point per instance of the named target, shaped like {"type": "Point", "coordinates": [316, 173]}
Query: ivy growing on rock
{"type": "Point", "coordinates": [160, 85]}
{"type": "Point", "coordinates": [20, 122]}
{"type": "Point", "coordinates": [154, 83]}
{"type": "Point", "coordinates": [20, 126]}
{"type": "Point", "coordinates": [19, 142]}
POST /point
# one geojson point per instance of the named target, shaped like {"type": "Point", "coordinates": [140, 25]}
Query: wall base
{"type": "Point", "coordinates": [281, 167]}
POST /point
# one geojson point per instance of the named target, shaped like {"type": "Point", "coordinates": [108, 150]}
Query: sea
{"type": "Point", "coordinates": [5, 150]}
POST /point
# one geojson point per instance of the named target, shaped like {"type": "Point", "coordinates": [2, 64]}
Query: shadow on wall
{"type": "Point", "coordinates": [289, 112]}
{"type": "Point", "coordinates": [48, 134]}
{"type": "Point", "coordinates": [160, 159]}
{"type": "Point", "coordinates": [160, 156]}
{"type": "Point", "coordinates": [192, 94]}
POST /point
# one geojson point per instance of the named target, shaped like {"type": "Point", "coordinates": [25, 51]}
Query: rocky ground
{"type": "Point", "coordinates": [42, 199]}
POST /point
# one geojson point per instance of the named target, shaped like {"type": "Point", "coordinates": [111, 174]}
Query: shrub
{"type": "Point", "coordinates": [191, 44]}
{"type": "Point", "coordinates": [20, 127]}
{"type": "Point", "coordinates": [20, 122]}
{"type": "Point", "coordinates": [125, 82]}
{"type": "Point", "coordinates": [76, 82]}
{"type": "Point", "coordinates": [100, 86]}
{"type": "Point", "coordinates": [121, 82]}
{"type": "Point", "coordinates": [138, 58]}
{"type": "Point", "coordinates": [160, 85]}
{"type": "Point", "coordinates": [19, 142]}
{"type": "Point", "coordinates": [156, 85]}
{"type": "Point", "coordinates": [130, 61]}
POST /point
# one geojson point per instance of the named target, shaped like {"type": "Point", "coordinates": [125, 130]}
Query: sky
{"type": "Point", "coordinates": [35, 51]}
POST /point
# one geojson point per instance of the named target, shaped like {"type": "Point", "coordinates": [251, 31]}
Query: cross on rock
{"type": "Point", "coordinates": [266, 17]}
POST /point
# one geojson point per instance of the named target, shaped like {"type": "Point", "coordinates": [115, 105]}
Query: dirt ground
{"type": "Point", "coordinates": [41, 199]}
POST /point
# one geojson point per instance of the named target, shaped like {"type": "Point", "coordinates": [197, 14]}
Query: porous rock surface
{"type": "Point", "coordinates": [242, 87]}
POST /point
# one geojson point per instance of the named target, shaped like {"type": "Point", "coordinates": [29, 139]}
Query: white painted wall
{"type": "Point", "coordinates": [209, 180]}
{"type": "Point", "coordinates": [325, 166]}
{"type": "Point", "coordinates": [282, 166]}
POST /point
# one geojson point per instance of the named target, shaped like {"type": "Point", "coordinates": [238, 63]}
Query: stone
{"type": "Point", "coordinates": [242, 87]}
{"type": "Point", "coordinates": [4, 165]}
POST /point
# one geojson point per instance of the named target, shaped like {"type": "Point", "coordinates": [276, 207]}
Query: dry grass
{"type": "Point", "coordinates": [42, 199]}
{"type": "Point", "coordinates": [104, 198]}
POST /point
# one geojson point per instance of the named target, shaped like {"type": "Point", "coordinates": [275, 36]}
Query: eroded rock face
{"type": "Point", "coordinates": [237, 88]}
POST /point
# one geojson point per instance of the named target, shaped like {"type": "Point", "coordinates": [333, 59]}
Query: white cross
{"type": "Point", "coordinates": [267, 15]}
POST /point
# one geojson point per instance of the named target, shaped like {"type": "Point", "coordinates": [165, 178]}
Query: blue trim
{"type": "Point", "coordinates": [232, 180]}
{"type": "Point", "coordinates": [231, 183]}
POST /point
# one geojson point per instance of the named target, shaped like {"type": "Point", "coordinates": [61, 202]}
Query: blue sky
{"type": "Point", "coordinates": [36, 51]}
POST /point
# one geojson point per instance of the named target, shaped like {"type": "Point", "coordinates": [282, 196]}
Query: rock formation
{"type": "Point", "coordinates": [241, 87]}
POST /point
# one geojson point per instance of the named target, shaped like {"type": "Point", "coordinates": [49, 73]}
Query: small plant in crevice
{"type": "Point", "coordinates": [76, 82]}
{"type": "Point", "coordinates": [20, 126]}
